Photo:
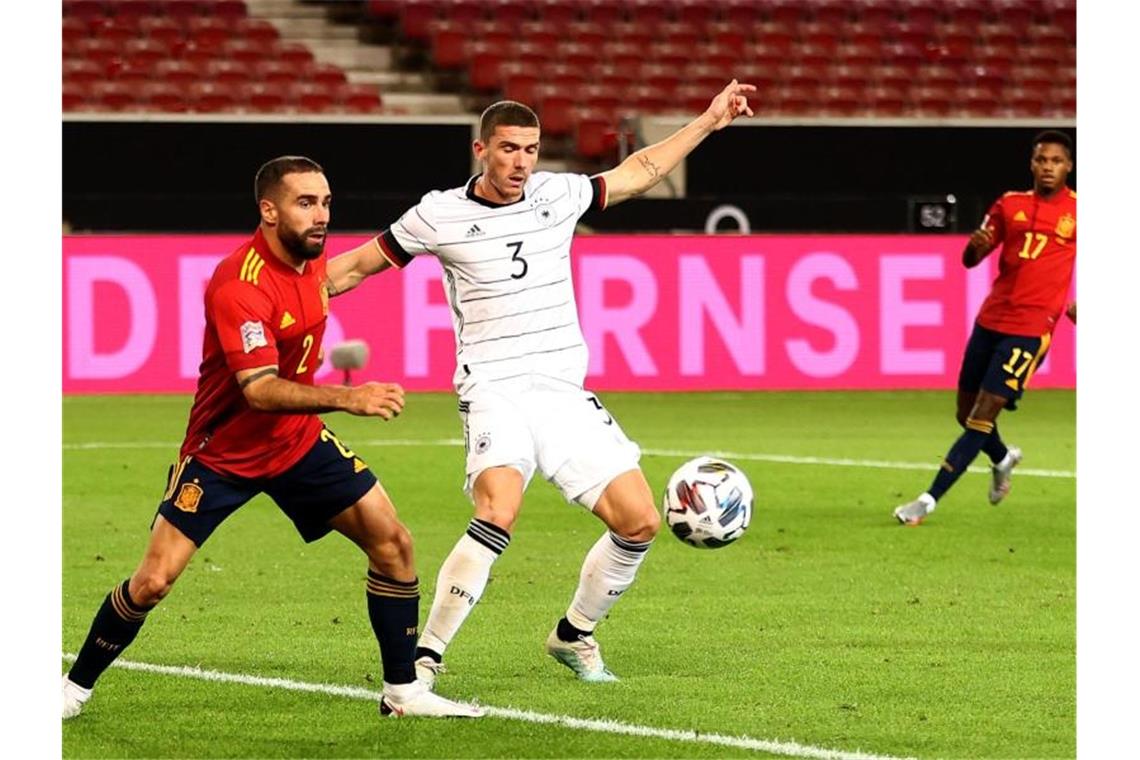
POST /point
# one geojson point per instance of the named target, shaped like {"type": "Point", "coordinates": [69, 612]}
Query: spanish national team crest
{"type": "Point", "coordinates": [1066, 226]}
{"type": "Point", "coordinates": [545, 215]}
{"type": "Point", "coordinates": [188, 497]}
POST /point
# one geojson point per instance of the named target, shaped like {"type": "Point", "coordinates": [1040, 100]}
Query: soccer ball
{"type": "Point", "coordinates": [708, 503]}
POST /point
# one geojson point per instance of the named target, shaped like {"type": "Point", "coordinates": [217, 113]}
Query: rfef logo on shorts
{"type": "Point", "coordinates": [188, 497]}
{"type": "Point", "coordinates": [252, 336]}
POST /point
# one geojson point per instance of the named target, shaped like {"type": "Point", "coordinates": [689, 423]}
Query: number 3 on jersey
{"type": "Point", "coordinates": [516, 257]}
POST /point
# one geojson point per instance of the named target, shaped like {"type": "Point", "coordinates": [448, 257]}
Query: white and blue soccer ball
{"type": "Point", "coordinates": [708, 503]}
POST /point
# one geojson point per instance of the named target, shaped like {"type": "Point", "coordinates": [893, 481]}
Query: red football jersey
{"type": "Point", "coordinates": [1038, 237]}
{"type": "Point", "coordinates": [259, 312]}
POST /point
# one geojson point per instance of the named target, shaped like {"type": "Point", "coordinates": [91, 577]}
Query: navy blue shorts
{"type": "Point", "coordinates": [1001, 364]}
{"type": "Point", "coordinates": [326, 481]}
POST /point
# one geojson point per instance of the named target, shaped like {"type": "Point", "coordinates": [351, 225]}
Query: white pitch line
{"type": "Point", "coordinates": [750, 457]}
{"type": "Point", "coordinates": [790, 749]}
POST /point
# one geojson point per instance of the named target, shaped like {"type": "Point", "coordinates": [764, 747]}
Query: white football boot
{"type": "Point", "coordinates": [415, 699]}
{"type": "Point", "coordinates": [74, 696]}
{"type": "Point", "coordinates": [1002, 474]}
{"type": "Point", "coordinates": [914, 512]}
{"type": "Point", "coordinates": [582, 656]}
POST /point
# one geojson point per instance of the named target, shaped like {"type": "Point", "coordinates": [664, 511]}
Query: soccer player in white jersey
{"type": "Point", "coordinates": [503, 239]}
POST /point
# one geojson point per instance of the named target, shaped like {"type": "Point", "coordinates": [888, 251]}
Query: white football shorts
{"type": "Point", "coordinates": [539, 423]}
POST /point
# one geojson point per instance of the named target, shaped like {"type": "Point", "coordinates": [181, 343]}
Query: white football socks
{"type": "Point", "coordinates": [609, 569]}
{"type": "Point", "coordinates": [461, 582]}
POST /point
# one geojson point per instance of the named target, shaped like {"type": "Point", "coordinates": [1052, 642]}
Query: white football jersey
{"type": "Point", "coordinates": [506, 273]}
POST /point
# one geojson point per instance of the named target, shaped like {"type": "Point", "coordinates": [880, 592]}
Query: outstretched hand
{"type": "Point", "coordinates": [730, 103]}
{"type": "Point", "coordinates": [384, 400]}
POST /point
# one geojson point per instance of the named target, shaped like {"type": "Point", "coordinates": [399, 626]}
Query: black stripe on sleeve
{"type": "Point", "coordinates": [392, 250]}
{"type": "Point", "coordinates": [599, 185]}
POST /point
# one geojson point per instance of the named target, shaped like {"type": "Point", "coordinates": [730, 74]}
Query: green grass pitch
{"type": "Point", "coordinates": [827, 624]}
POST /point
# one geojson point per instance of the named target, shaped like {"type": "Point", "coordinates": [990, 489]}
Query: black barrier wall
{"type": "Point", "coordinates": [194, 176]}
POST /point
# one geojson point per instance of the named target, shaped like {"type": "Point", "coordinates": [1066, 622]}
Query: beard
{"type": "Point", "coordinates": [298, 244]}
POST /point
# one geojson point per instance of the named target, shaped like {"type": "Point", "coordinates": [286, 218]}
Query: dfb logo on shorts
{"type": "Point", "coordinates": [482, 443]}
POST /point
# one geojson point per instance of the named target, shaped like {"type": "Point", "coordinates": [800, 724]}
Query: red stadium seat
{"type": "Point", "coordinates": [98, 50]}
{"type": "Point", "coordinates": [86, 9]}
{"type": "Point", "coordinates": [786, 11]}
{"type": "Point", "coordinates": [449, 45]}
{"type": "Point", "coordinates": [595, 134]}
{"type": "Point", "coordinates": [851, 75]}
{"type": "Point", "coordinates": [886, 100]}
{"type": "Point", "coordinates": [838, 13]}
{"type": "Point", "coordinates": [162, 29]}
{"type": "Point", "coordinates": [227, 9]}
{"type": "Point", "coordinates": [540, 33]}
{"type": "Point", "coordinates": [587, 33]}
{"type": "Point", "coordinates": [556, 110]}
{"type": "Point", "coordinates": [82, 71]}
{"type": "Point", "coordinates": [135, 72]}
{"type": "Point", "coordinates": [977, 101]}
{"type": "Point", "coordinates": [649, 100]}
{"type": "Point", "coordinates": [677, 33]}
{"type": "Point", "coordinates": [388, 10]}
{"type": "Point", "coordinates": [75, 96]}
{"type": "Point", "coordinates": [520, 82]}
{"type": "Point", "coordinates": [892, 76]}
{"type": "Point", "coordinates": [293, 52]}
{"type": "Point", "coordinates": [113, 96]}
{"type": "Point", "coordinates": [308, 97]}
{"type": "Point", "coordinates": [776, 38]}
{"type": "Point", "coordinates": [603, 97]}
{"type": "Point", "coordinates": [212, 97]}
{"type": "Point", "coordinates": [208, 31]}
{"type": "Point", "coordinates": [698, 13]}
{"type": "Point", "coordinates": [876, 12]}
{"type": "Point", "coordinates": [611, 11]}
{"type": "Point", "coordinates": [1018, 13]}
{"type": "Point", "coordinates": [274, 71]}
{"type": "Point", "coordinates": [813, 55]}
{"type": "Point", "coordinates": [910, 33]}
{"type": "Point", "coordinates": [464, 12]}
{"type": "Point", "coordinates": [1025, 102]}
{"type": "Point", "coordinates": [804, 76]}
{"type": "Point", "coordinates": [147, 51]}
{"type": "Point", "coordinates": [859, 53]}
{"type": "Point", "coordinates": [267, 98]}
{"type": "Point", "coordinates": [75, 28]}
{"type": "Point", "coordinates": [728, 37]}
{"type": "Point", "coordinates": [791, 100]}
{"type": "Point", "coordinates": [743, 13]}
{"type": "Point", "coordinates": [922, 13]}
{"type": "Point", "coordinates": [710, 79]}
{"type": "Point", "coordinates": [613, 75]}
{"type": "Point", "coordinates": [669, 54]}
{"type": "Point", "coordinates": [938, 76]}
{"type": "Point", "coordinates": [560, 11]}
{"type": "Point", "coordinates": [512, 12]}
{"type": "Point", "coordinates": [228, 70]}
{"type": "Point", "coordinates": [841, 101]}
{"type": "Point", "coordinates": [904, 54]}
{"type": "Point", "coordinates": [256, 30]}
{"type": "Point", "coordinates": [968, 12]}
{"type": "Point", "coordinates": [694, 98]}
{"type": "Point", "coordinates": [864, 33]}
{"type": "Point", "coordinates": [483, 67]}
{"type": "Point", "coordinates": [819, 34]}
{"type": "Point", "coordinates": [417, 15]}
{"type": "Point", "coordinates": [326, 74]}
{"type": "Point", "coordinates": [624, 54]}
{"type": "Point", "coordinates": [248, 51]}
{"type": "Point", "coordinates": [163, 96]}
{"type": "Point", "coordinates": [576, 54]}
{"type": "Point", "coordinates": [932, 101]}
{"type": "Point", "coordinates": [360, 98]}
{"type": "Point", "coordinates": [180, 71]}
{"type": "Point", "coordinates": [659, 76]}
{"type": "Point", "coordinates": [651, 12]}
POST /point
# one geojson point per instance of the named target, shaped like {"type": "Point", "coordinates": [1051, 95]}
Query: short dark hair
{"type": "Point", "coordinates": [270, 174]}
{"type": "Point", "coordinates": [1056, 138]}
{"type": "Point", "coordinates": [507, 113]}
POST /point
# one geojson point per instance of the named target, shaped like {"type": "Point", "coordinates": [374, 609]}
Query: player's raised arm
{"type": "Point", "coordinates": [648, 166]}
{"type": "Point", "coordinates": [350, 268]}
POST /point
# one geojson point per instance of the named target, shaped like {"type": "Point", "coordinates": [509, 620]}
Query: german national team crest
{"type": "Point", "coordinates": [482, 443]}
{"type": "Point", "coordinates": [545, 215]}
{"type": "Point", "coordinates": [188, 497]}
{"type": "Point", "coordinates": [1066, 226]}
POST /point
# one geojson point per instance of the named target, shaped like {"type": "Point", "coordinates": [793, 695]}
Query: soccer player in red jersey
{"type": "Point", "coordinates": [254, 429]}
{"type": "Point", "coordinates": [1037, 231]}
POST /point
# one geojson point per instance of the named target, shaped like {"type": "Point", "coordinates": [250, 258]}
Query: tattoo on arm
{"type": "Point", "coordinates": [258, 376]}
{"type": "Point", "coordinates": [651, 168]}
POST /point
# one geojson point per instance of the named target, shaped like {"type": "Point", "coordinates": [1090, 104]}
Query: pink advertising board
{"type": "Point", "coordinates": [659, 313]}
